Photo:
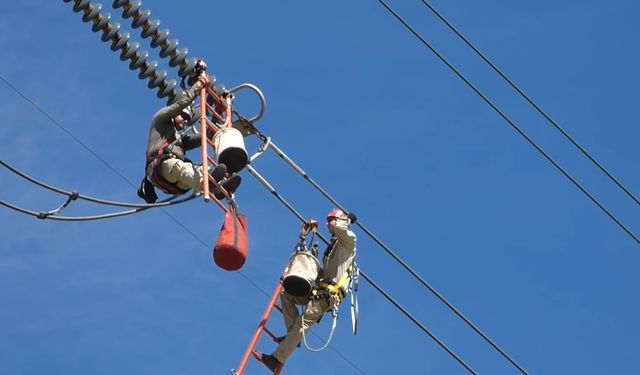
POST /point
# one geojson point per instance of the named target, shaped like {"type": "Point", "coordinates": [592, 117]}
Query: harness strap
{"type": "Point", "coordinates": [162, 183]}
{"type": "Point", "coordinates": [326, 289]}
{"type": "Point", "coordinates": [156, 178]}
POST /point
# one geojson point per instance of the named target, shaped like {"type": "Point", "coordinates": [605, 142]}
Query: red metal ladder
{"type": "Point", "coordinates": [222, 104]}
{"type": "Point", "coordinates": [308, 227]}
{"type": "Point", "coordinates": [262, 328]}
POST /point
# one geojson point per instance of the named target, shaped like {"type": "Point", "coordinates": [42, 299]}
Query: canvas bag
{"type": "Point", "coordinates": [230, 251]}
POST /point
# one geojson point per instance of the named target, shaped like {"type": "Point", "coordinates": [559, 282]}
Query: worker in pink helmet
{"type": "Point", "coordinates": [328, 292]}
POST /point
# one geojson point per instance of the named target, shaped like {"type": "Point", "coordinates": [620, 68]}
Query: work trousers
{"type": "Point", "coordinates": [296, 324]}
{"type": "Point", "coordinates": [182, 174]}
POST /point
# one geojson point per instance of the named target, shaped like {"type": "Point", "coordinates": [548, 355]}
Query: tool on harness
{"type": "Point", "coordinates": [303, 268]}
{"type": "Point", "coordinates": [353, 293]}
{"type": "Point", "coordinates": [328, 291]}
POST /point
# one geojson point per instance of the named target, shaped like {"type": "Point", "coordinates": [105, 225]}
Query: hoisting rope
{"type": "Point", "coordinates": [73, 196]}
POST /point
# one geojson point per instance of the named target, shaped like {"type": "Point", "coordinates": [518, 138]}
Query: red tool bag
{"type": "Point", "coordinates": [230, 251]}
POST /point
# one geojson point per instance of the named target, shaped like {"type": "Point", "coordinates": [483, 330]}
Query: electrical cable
{"type": "Point", "coordinates": [180, 224]}
{"type": "Point", "coordinates": [81, 196]}
{"type": "Point", "coordinates": [463, 363]}
{"type": "Point", "coordinates": [268, 186]}
{"type": "Point", "coordinates": [46, 215]}
{"type": "Point", "coordinates": [388, 250]}
{"type": "Point", "coordinates": [59, 125]}
{"type": "Point", "coordinates": [273, 191]}
{"type": "Point", "coordinates": [529, 100]}
{"type": "Point", "coordinates": [510, 122]}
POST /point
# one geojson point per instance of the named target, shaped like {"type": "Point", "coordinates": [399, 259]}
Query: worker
{"type": "Point", "coordinates": [167, 166]}
{"type": "Point", "coordinates": [328, 292]}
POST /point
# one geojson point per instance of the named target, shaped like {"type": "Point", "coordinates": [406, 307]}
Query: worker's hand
{"type": "Point", "coordinates": [352, 217]}
{"type": "Point", "coordinates": [206, 81]}
{"type": "Point", "coordinates": [311, 224]}
{"type": "Point", "coordinates": [201, 67]}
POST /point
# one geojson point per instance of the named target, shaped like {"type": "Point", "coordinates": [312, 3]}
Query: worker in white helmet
{"type": "Point", "coordinates": [167, 167]}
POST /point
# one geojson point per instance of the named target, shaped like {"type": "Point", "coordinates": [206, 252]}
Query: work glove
{"type": "Point", "coordinates": [200, 67]}
{"type": "Point", "coordinates": [352, 217]}
{"type": "Point", "coordinates": [311, 224]}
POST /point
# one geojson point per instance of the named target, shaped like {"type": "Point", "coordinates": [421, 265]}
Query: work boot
{"type": "Point", "coordinates": [230, 185]}
{"type": "Point", "coordinates": [219, 172]}
{"type": "Point", "coordinates": [268, 360]}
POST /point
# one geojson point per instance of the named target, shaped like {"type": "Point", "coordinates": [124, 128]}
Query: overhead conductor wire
{"type": "Point", "coordinates": [529, 100]}
{"type": "Point", "coordinates": [111, 215]}
{"type": "Point", "coordinates": [379, 242]}
{"type": "Point", "coordinates": [138, 208]}
{"type": "Point", "coordinates": [509, 121]}
{"type": "Point", "coordinates": [130, 10]}
{"type": "Point", "coordinates": [424, 329]}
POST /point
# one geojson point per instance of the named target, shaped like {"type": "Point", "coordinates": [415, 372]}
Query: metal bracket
{"type": "Point", "coordinates": [256, 90]}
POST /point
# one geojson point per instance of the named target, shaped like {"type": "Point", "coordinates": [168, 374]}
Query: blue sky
{"type": "Point", "coordinates": [383, 126]}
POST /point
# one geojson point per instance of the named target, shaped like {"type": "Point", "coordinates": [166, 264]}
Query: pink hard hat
{"type": "Point", "coordinates": [335, 213]}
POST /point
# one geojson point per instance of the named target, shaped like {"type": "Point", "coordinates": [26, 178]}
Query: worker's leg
{"type": "Point", "coordinates": [183, 174]}
{"type": "Point", "coordinates": [302, 324]}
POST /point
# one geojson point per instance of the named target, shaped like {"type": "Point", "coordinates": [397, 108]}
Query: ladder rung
{"type": "Point", "coordinates": [265, 329]}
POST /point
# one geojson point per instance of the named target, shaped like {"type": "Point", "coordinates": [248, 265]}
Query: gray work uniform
{"type": "Point", "coordinates": [173, 168]}
{"type": "Point", "coordinates": [336, 264]}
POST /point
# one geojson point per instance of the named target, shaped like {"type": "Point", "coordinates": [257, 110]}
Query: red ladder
{"type": "Point", "coordinates": [224, 103]}
{"type": "Point", "coordinates": [251, 352]}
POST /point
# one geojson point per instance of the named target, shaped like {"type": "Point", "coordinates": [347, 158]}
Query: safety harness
{"type": "Point", "coordinates": [328, 291]}
{"type": "Point", "coordinates": [156, 178]}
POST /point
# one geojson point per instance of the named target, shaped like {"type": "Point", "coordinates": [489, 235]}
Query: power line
{"type": "Point", "coordinates": [58, 124]}
{"type": "Point", "coordinates": [424, 329]}
{"type": "Point", "coordinates": [510, 122]}
{"type": "Point", "coordinates": [72, 196]}
{"type": "Point", "coordinates": [529, 100]}
{"type": "Point", "coordinates": [52, 215]}
{"type": "Point", "coordinates": [36, 214]}
{"type": "Point", "coordinates": [384, 247]}
{"type": "Point", "coordinates": [164, 52]}
{"type": "Point", "coordinates": [77, 195]}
